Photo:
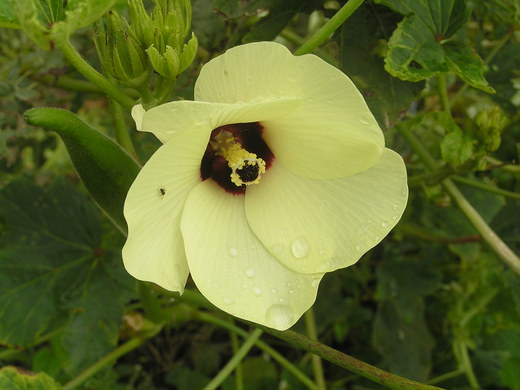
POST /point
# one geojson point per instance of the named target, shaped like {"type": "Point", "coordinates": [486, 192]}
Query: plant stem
{"type": "Point", "coordinates": [104, 361]}
{"type": "Point", "coordinates": [325, 352]}
{"type": "Point", "coordinates": [317, 367]}
{"type": "Point", "coordinates": [443, 93]}
{"type": "Point", "coordinates": [427, 235]}
{"type": "Point", "coordinates": [461, 352]}
{"type": "Point", "coordinates": [122, 136]}
{"type": "Point", "coordinates": [260, 344]}
{"type": "Point", "coordinates": [354, 365]}
{"type": "Point", "coordinates": [239, 377]}
{"type": "Point", "coordinates": [486, 187]}
{"type": "Point", "coordinates": [82, 66]}
{"type": "Point", "coordinates": [495, 242]}
{"type": "Point", "coordinates": [235, 360]}
{"type": "Point", "coordinates": [444, 377]}
{"type": "Point", "coordinates": [328, 28]}
{"type": "Point", "coordinates": [509, 167]}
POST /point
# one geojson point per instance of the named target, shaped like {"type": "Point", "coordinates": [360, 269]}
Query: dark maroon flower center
{"type": "Point", "coordinates": [215, 166]}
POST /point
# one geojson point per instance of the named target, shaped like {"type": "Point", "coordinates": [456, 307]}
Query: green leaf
{"type": "Point", "coordinates": [456, 147]}
{"type": "Point", "coordinates": [104, 167]}
{"type": "Point", "coordinates": [418, 48]}
{"type": "Point", "coordinates": [53, 265]}
{"type": "Point", "coordinates": [12, 378]}
{"type": "Point", "coordinates": [465, 63]}
{"type": "Point", "coordinates": [405, 344]}
{"type": "Point", "coordinates": [7, 13]}
{"type": "Point", "coordinates": [361, 45]}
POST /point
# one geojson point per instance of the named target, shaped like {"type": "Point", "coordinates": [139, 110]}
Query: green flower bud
{"type": "Point", "coordinates": [164, 33]}
{"type": "Point", "coordinates": [166, 64]}
{"type": "Point", "coordinates": [121, 54]}
{"type": "Point", "coordinates": [490, 124]}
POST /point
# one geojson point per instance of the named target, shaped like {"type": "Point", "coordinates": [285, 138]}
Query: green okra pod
{"type": "Point", "coordinates": [104, 167]}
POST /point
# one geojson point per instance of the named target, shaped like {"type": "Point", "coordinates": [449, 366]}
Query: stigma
{"type": "Point", "coordinates": [246, 167]}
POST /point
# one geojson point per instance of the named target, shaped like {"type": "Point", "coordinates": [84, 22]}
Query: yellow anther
{"type": "Point", "coordinates": [246, 167]}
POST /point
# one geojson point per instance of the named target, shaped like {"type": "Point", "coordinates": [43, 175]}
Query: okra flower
{"type": "Point", "coordinates": [276, 174]}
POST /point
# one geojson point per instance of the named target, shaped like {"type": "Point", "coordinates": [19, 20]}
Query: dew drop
{"type": "Point", "coordinates": [274, 291]}
{"type": "Point", "coordinates": [385, 224]}
{"type": "Point", "coordinates": [245, 286]}
{"type": "Point", "coordinates": [358, 248]}
{"type": "Point", "coordinates": [233, 252]}
{"type": "Point", "coordinates": [281, 300]}
{"type": "Point", "coordinates": [364, 121]}
{"type": "Point", "coordinates": [279, 316]}
{"type": "Point", "coordinates": [395, 207]}
{"type": "Point", "coordinates": [257, 291]}
{"type": "Point", "coordinates": [300, 248]}
{"type": "Point", "coordinates": [250, 273]}
{"type": "Point", "coordinates": [216, 285]}
{"type": "Point", "coordinates": [228, 301]}
{"type": "Point", "coordinates": [291, 292]}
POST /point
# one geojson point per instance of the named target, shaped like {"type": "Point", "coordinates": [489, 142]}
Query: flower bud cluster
{"type": "Point", "coordinates": [128, 47]}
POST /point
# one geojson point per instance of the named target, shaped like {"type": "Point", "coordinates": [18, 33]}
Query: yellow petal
{"type": "Point", "coordinates": [170, 119]}
{"type": "Point", "coordinates": [314, 226]}
{"type": "Point", "coordinates": [231, 267]}
{"type": "Point", "coordinates": [154, 249]}
{"type": "Point", "coordinates": [331, 134]}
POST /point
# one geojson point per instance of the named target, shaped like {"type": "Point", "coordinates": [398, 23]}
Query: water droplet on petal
{"type": "Point", "coordinates": [274, 291]}
{"type": "Point", "coordinates": [250, 273]}
{"type": "Point", "coordinates": [358, 248]}
{"type": "Point", "coordinates": [216, 285]}
{"type": "Point", "coordinates": [291, 291]}
{"type": "Point", "coordinates": [244, 286]}
{"type": "Point", "coordinates": [257, 291]}
{"type": "Point", "coordinates": [228, 300]}
{"type": "Point", "coordinates": [279, 316]}
{"type": "Point", "coordinates": [385, 224]}
{"type": "Point", "coordinates": [364, 121]}
{"type": "Point", "coordinates": [281, 300]}
{"type": "Point", "coordinates": [300, 248]}
{"type": "Point", "coordinates": [233, 252]}
{"type": "Point", "coordinates": [395, 207]}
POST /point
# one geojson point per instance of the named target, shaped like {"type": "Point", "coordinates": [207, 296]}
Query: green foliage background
{"type": "Point", "coordinates": [433, 302]}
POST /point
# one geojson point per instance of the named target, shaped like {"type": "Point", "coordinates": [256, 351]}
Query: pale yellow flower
{"type": "Point", "coordinates": [320, 187]}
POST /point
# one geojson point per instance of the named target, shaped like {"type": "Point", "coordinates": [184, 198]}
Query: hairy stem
{"type": "Point", "coordinates": [82, 66]}
{"type": "Point", "coordinates": [235, 360]}
{"type": "Point", "coordinates": [328, 28]}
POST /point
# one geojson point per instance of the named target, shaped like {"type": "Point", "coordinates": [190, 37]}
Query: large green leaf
{"type": "Point", "coordinates": [53, 264]}
{"type": "Point", "coordinates": [360, 56]}
{"type": "Point", "coordinates": [419, 47]}
{"type": "Point", "coordinates": [12, 378]}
